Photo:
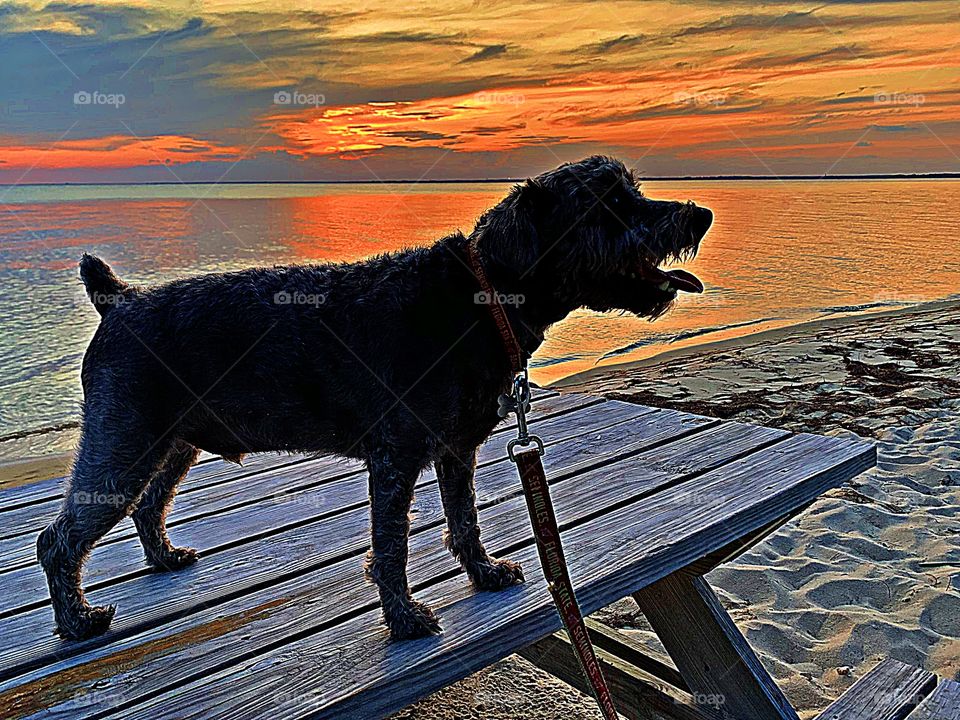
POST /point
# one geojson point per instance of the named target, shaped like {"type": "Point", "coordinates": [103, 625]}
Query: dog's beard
{"type": "Point", "coordinates": [625, 274]}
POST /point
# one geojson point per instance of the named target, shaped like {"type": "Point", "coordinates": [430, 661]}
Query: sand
{"type": "Point", "coordinates": [871, 570]}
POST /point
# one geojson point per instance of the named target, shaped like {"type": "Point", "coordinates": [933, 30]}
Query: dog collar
{"type": "Point", "coordinates": [517, 363]}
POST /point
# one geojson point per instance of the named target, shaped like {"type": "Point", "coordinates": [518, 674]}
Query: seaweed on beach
{"type": "Point", "coordinates": [723, 409]}
{"type": "Point", "coordinates": [881, 379]}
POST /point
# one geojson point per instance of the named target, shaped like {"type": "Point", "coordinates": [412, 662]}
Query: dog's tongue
{"type": "Point", "coordinates": [682, 280]}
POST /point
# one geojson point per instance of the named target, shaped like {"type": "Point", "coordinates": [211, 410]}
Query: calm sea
{"type": "Point", "coordinates": [779, 253]}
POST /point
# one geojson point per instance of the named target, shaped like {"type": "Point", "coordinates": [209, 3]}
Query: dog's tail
{"type": "Point", "coordinates": [105, 289]}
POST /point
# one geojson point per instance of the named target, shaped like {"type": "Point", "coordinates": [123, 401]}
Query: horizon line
{"type": "Point", "coordinates": [451, 181]}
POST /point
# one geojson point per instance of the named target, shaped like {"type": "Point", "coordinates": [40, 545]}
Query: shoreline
{"type": "Point", "coordinates": [740, 341]}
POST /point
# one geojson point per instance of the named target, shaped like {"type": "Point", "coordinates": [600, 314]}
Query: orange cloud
{"type": "Point", "coordinates": [116, 151]}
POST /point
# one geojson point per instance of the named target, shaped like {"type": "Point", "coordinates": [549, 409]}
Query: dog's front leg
{"type": "Point", "coordinates": [391, 493]}
{"type": "Point", "coordinates": [455, 474]}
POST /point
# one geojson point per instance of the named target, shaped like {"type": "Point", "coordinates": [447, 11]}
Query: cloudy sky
{"type": "Point", "coordinates": [235, 90]}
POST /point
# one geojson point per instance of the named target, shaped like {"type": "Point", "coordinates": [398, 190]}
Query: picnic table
{"type": "Point", "coordinates": [277, 621]}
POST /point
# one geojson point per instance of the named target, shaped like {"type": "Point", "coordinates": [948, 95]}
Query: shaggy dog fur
{"type": "Point", "coordinates": [395, 361]}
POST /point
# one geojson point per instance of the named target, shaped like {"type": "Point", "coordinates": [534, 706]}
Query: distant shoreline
{"type": "Point", "coordinates": [463, 181]}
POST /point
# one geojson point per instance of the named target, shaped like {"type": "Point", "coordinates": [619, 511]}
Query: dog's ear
{"type": "Point", "coordinates": [511, 232]}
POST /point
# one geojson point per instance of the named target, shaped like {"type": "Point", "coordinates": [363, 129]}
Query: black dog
{"type": "Point", "coordinates": [396, 361]}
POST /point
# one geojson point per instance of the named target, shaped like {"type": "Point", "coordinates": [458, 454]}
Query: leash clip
{"type": "Point", "coordinates": [518, 402]}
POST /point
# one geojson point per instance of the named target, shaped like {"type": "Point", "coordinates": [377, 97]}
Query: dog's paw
{"type": "Point", "coordinates": [496, 575]}
{"type": "Point", "coordinates": [173, 558]}
{"type": "Point", "coordinates": [89, 622]}
{"type": "Point", "coordinates": [413, 620]}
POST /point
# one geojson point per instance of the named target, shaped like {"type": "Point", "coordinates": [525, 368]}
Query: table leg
{"type": "Point", "coordinates": [709, 651]}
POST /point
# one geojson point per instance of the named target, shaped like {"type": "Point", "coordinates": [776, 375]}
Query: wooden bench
{"type": "Point", "coordinates": [277, 621]}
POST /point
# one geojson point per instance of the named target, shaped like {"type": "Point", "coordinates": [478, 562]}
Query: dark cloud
{"type": "Point", "coordinates": [619, 42]}
{"type": "Point", "coordinates": [848, 53]}
{"type": "Point", "coordinates": [490, 51]}
{"type": "Point", "coordinates": [893, 128]}
{"type": "Point", "coordinates": [386, 38]}
{"type": "Point", "coordinates": [753, 21]}
{"type": "Point", "coordinates": [416, 135]}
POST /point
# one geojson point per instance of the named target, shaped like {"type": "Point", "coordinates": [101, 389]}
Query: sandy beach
{"type": "Point", "coordinates": [871, 570]}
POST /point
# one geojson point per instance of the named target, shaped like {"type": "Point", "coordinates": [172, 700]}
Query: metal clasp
{"type": "Point", "coordinates": [518, 402]}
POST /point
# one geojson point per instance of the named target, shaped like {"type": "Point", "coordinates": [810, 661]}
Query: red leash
{"type": "Point", "coordinates": [525, 450]}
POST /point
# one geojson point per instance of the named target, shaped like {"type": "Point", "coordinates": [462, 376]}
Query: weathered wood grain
{"type": "Point", "coordinates": [637, 695]}
{"type": "Point", "coordinates": [281, 511]}
{"type": "Point", "coordinates": [349, 670]}
{"type": "Point", "coordinates": [33, 517]}
{"type": "Point", "coordinates": [621, 645]}
{"type": "Point", "coordinates": [204, 498]}
{"type": "Point", "coordinates": [710, 652]}
{"type": "Point", "coordinates": [317, 598]}
{"type": "Point", "coordinates": [24, 637]}
{"type": "Point", "coordinates": [739, 546]}
{"type": "Point", "coordinates": [890, 691]}
{"type": "Point", "coordinates": [942, 704]}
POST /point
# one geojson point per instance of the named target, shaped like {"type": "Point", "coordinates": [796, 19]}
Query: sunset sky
{"type": "Point", "coordinates": [227, 90]}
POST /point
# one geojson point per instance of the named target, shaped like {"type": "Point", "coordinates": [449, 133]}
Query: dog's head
{"type": "Point", "coordinates": [584, 235]}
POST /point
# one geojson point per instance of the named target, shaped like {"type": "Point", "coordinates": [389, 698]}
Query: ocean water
{"type": "Point", "coordinates": [780, 252]}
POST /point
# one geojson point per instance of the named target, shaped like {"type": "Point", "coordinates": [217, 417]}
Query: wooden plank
{"type": "Point", "coordinates": [637, 696]}
{"type": "Point", "coordinates": [349, 670]}
{"type": "Point", "coordinates": [281, 510]}
{"type": "Point", "coordinates": [50, 492]}
{"type": "Point", "coordinates": [942, 704]}
{"type": "Point", "coordinates": [739, 546]}
{"type": "Point", "coordinates": [621, 645]}
{"type": "Point", "coordinates": [318, 597]}
{"type": "Point", "coordinates": [247, 488]}
{"type": "Point", "coordinates": [19, 520]}
{"type": "Point", "coordinates": [52, 489]}
{"type": "Point", "coordinates": [888, 692]}
{"type": "Point", "coordinates": [712, 656]}
{"type": "Point", "coordinates": [270, 557]}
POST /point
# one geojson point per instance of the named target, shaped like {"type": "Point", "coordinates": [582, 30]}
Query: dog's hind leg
{"type": "Point", "coordinates": [392, 478]}
{"type": "Point", "coordinates": [455, 474]}
{"type": "Point", "coordinates": [108, 477]}
{"type": "Point", "coordinates": [151, 513]}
